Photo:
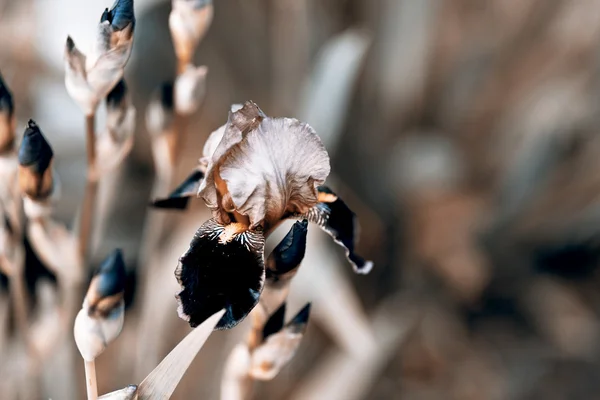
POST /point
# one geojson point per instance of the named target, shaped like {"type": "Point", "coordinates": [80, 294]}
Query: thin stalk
{"type": "Point", "coordinates": [87, 213]}
{"type": "Point", "coordinates": [90, 380]}
{"type": "Point", "coordinates": [19, 302]}
{"type": "Point", "coordinates": [156, 223]}
{"type": "Point", "coordinates": [176, 136]}
{"type": "Point", "coordinates": [85, 230]}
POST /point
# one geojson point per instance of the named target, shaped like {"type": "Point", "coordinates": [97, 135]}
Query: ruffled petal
{"type": "Point", "coordinates": [223, 268]}
{"type": "Point", "coordinates": [212, 189]}
{"type": "Point", "coordinates": [338, 220]}
{"type": "Point", "coordinates": [274, 170]}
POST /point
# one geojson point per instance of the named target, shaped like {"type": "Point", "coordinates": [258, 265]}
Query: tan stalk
{"type": "Point", "coordinates": [91, 384]}
{"type": "Point", "coordinates": [87, 210]}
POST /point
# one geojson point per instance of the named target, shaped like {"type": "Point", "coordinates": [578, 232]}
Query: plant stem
{"type": "Point", "coordinates": [87, 213]}
{"type": "Point", "coordinates": [177, 134]}
{"type": "Point", "coordinates": [90, 380]}
{"type": "Point", "coordinates": [17, 294]}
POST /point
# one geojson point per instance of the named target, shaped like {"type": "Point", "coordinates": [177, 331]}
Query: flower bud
{"type": "Point", "coordinates": [189, 20]}
{"type": "Point", "coordinates": [76, 81]}
{"type": "Point", "coordinates": [35, 160]}
{"type": "Point", "coordinates": [7, 118]}
{"type": "Point", "coordinates": [281, 266]}
{"type": "Point", "coordinates": [90, 79]}
{"type": "Point", "coordinates": [101, 318]}
{"type": "Point", "coordinates": [120, 113]}
{"type": "Point", "coordinates": [288, 254]}
{"type": "Point", "coordinates": [190, 89]}
{"type": "Point", "coordinates": [159, 114]}
{"type": "Point", "coordinates": [116, 142]}
{"type": "Point", "coordinates": [279, 348]}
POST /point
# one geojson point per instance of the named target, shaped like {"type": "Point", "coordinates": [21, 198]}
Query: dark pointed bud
{"type": "Point", "coordinates": [275, 322]}
{"type": "Point", "coordinates": [277, 350]}
{"type": "Point", "coordinates": [108, 285]}
{"type": "Point", "coordinates": [289, 253]}
{"type": "Point", "coordinates": [111, 274]}
{"type": "Point", "coordinates": [180, 197]}
{"type": "Point", "coordinates": [120, 15]}
{"type": "Point", "coordinates": [299, 322]}
{"type": "Point", "coordinates": [70, 44]}
{"type": "Point", "coordinates": [223, 268]}
{"type": "Point", "coordinates": [7, 122]}
{"type": "Point", "coordinates": [116, 97]}
{"type": "Point", "coordinates": [35, 157]}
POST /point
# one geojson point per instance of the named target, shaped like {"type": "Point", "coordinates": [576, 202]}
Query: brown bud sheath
{"type": "Point", "coordinates": [35, 163]}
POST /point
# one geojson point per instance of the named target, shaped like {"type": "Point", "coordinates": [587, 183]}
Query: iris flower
{"type": "Point", "coordinates": [255, 173]}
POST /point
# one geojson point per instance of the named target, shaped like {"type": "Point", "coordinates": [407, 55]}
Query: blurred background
{"type": "Point", "coordinates": [464, 135]}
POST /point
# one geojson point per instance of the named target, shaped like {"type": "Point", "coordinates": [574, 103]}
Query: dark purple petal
{"type": "Point", "coordinates": [223, 268]}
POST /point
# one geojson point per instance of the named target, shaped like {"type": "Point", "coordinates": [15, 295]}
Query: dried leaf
{"type": "Point", "coordinates": [163, 380]}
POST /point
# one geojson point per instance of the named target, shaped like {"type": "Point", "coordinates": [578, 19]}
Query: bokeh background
{"type": "Point", "coordinates": [462, 132]}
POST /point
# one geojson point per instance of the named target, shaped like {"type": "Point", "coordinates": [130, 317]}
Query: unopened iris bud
{"type": "Point", "coordinates": [120, 15]}
{"type": "Point", "coordinates": [101, 318]}
{"type": "Point", "coordinates": [189, 20]}
{"type": "Point", "coordinates": [190, 88]}
{"type": "Point", "coordinates": [278, 348]}
{"type": "Point", "coordinates": [120, 113]}
{"type": "Point", "coordinates": [90, 79]}
{"type": "Point", "coordinates": [159, 114]}
{"type": "Point", "coordinates": [288, 254]}
{"type": "Point", "coordinates": [35, 160]}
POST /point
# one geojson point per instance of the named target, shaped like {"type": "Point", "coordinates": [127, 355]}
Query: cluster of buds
{"type": "Point", "coordinates": [90, 79]}
{"type": "Point", "coordinates": [101, 317]}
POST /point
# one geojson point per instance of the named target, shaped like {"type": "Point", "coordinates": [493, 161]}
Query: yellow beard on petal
{"type": "Point", "coordinates": [327, 197]}
{"type": "Point", "coordinates": [231, 230]}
